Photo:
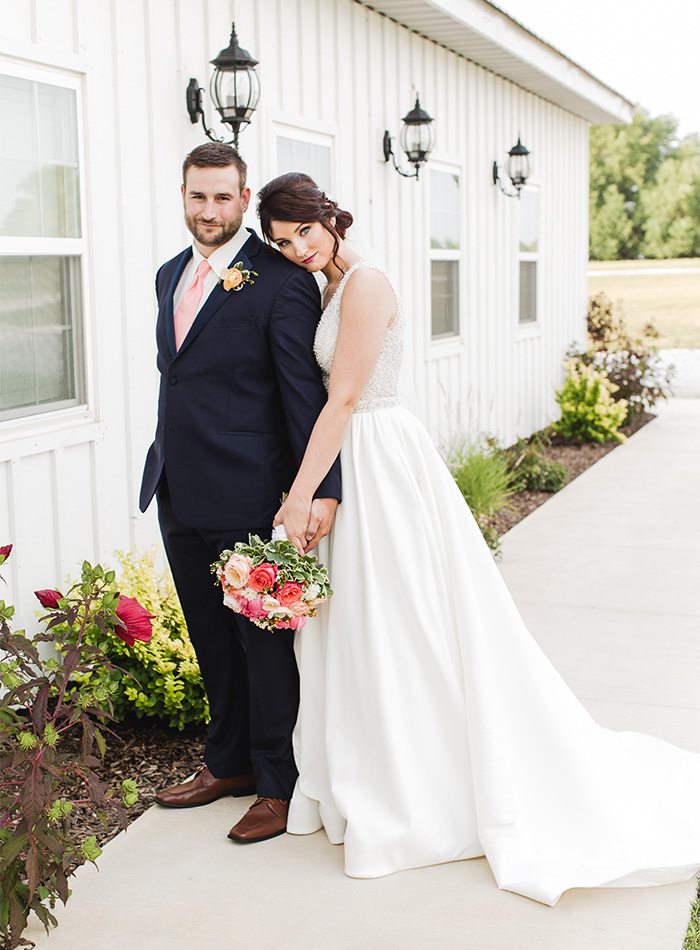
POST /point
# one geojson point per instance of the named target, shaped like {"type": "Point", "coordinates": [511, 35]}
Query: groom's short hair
{"type": "Point", "coordinates": [215, 155]}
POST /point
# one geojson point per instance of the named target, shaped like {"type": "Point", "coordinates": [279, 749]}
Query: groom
{"type": "Point", "coordinates": [239, 395]}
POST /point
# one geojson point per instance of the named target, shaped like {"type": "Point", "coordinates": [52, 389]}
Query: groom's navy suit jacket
{"type": "Point", "coordinates": [240, 397]}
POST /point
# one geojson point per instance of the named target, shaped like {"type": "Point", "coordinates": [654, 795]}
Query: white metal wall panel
{"type": "Point", "coordinates": [339, 66]}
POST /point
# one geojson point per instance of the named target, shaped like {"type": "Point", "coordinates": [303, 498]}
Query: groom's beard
{"type": "Point", "coordinates": [211, 237]}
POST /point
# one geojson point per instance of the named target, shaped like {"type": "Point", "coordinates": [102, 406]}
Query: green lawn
{"type": "Point", "coordinates": [670, 301]}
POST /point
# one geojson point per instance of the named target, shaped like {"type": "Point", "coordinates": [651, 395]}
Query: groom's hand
{"type": "Point", "coordinates": [320, 521]}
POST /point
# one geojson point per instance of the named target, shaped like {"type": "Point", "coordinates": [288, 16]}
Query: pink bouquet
{"type": "Point", "coordinates": [271, 584]}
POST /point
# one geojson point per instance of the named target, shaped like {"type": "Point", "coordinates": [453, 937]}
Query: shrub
{"type": "Point", "coordinates": [47, 781]}
{"type": "Point", "coordinates": [631, 363]}
{"type": "Point", "coordinates": [533, 470]}
{"type": "Point", "coordinates": [589, 412]}
{"type": "Point", "coordinates": [483, 476]}
{"type": "Point", "coordinates": [161, 681]}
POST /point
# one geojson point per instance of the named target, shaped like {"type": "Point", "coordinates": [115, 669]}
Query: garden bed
{"type": "Point", "coordinates": [576, 458]}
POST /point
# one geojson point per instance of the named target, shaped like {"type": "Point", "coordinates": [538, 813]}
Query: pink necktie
{"type": "Point", "coordinates": [188, 306]}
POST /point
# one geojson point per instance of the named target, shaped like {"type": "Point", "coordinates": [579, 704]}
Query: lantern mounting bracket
{"type": "Point", "coordinates": [196, 112]}
{"type": "Point", "coordinates": [389, 154]}
{"type": "Point", "coordinates": [497, 181]}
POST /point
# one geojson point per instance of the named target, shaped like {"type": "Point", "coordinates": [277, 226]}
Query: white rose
{"type": "Point", "coordinates": [236, 570]}
{"type": "Point", "coordinates": [232, 602]}
{"type": "Point", "coordinates": [311, 592]}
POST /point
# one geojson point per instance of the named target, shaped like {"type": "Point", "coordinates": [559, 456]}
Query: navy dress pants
{"type": "Point", "coordinates": [250, 675]}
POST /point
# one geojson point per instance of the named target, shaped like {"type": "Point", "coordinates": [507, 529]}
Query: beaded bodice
{"type": "Point", "coordinates": [382, 389]}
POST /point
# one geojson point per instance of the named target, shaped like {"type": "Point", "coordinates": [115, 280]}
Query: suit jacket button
{"type": "Point", "coordinates": [172, 380]}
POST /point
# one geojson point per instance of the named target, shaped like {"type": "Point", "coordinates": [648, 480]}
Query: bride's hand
{"type": "Point", "coordinates": [294, 515]}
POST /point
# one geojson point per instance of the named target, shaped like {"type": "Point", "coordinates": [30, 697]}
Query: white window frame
{"type": "Point", "coordinates": [532, 327]}
{"type": "Point", "coordinates": [303, 130]}
{"type": "Point", "coordinates": [25, 429]}
{"type": "Point", "coordinates": [442, 346]}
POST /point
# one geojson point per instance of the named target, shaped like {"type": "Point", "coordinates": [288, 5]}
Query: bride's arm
{"type": "Point", "coordinates": [367, 308]}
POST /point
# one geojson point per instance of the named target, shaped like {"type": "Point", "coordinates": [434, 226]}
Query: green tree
{"type": "Point", "coordinates": [624, 162]}
{"type": "Point", "coordinates": [672, 205]}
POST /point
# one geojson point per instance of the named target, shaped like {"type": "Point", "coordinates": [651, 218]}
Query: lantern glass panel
{"type": "Point", "coordinates": [235, 93]}
{"type": "Point", "coordinates": [519, 168]}
{"type": "Point", "coordinates": [417, 141]}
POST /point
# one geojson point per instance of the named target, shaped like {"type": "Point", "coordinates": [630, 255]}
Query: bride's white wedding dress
{"type": "Point", "coordinates": [432, 727]}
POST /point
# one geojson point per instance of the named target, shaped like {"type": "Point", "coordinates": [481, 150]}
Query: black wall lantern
{"type": "Point", "coordinates": [416, 139]}
{"type": "Point", "coordinates": [234, 89]}
{"type": "Point", "coordinates": [518, 168]}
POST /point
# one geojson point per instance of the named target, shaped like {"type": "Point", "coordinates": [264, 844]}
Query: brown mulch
{"type": "Point", "coordinates": [156, 756]}
{"type": "Point", "coordinates": [151, 754]}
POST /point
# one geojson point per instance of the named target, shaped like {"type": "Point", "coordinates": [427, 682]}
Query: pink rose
{"type": "Point", "coordinates": [48, 598]}
{"type": "Point", "coordinates": [135, 621]}
{"type": "Point", "coordinates": [262, 576]}
{"type": "Point", "coordinates": [236, 571]}
{"type": "Point", "coordinates": [289, 593]}
{"type": "Point", "coordinates": [294, 623]}
{"type": "Point", "coordinates": [254, 609]}
{"type": "Point", "coordinates": [5, 552]}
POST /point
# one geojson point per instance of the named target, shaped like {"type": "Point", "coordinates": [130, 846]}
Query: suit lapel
{"type": "Point", "coordinates": [218, 296]}
{"type": "Point", "coordinates": [165, 309]}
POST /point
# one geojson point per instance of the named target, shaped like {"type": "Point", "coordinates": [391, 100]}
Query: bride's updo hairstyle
{"type": "Point", "coordinates": [296, 197]}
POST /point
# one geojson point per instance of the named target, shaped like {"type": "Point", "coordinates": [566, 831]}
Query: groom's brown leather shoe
{"type": "Point", "coordinates": [266, 818]}
{"type": "Point", "coordinates": [204, 788]}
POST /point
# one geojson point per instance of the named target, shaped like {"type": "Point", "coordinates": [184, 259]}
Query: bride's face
{"type": "Point", "coordinates": [306, 243]}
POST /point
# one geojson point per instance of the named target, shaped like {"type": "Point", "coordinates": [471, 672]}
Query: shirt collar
{"type": "Point", "coordinates": [225, 253]}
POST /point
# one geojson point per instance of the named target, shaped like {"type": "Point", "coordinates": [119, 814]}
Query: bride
{"type": "Point", "coordinates": [432, 728]}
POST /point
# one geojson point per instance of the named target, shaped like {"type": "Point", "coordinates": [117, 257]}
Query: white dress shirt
{"type": "Point", "coordinates": [219, 260]}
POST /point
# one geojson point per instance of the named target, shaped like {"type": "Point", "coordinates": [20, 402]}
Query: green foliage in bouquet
{"type": "Point", "coordinates": [160, 679]}
{"type": "Point", "coordinates": [589, 412]}
{"type": "Point", "coordinates": [303, 569]}
{"type": "Point", "coordinates": [47, 779]}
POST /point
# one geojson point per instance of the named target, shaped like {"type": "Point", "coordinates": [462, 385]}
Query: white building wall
{"type": "Point", "coordinates": [69, 481]}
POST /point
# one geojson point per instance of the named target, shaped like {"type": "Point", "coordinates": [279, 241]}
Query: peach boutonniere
{"type": "Point", "coordinates": [236, 277]}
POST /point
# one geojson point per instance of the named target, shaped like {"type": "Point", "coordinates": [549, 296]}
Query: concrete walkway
{"type": "Point", "coordinates": [606, 575]}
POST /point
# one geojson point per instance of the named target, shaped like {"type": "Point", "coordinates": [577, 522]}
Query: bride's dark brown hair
{"type": "Point", "coordinates": [296, 197]}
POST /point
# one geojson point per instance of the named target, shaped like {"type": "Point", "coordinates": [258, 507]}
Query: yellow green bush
{"type": "Point", "coordinates": [160, 679]}
{"type": "Point", "coordinates": [589, 412]}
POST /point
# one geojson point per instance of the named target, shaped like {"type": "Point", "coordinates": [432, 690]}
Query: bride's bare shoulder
{"type": "Point", "coordinates": [369, 284]}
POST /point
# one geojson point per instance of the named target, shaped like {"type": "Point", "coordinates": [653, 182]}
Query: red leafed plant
{"type": "Point", "coordinates": [46, 781]}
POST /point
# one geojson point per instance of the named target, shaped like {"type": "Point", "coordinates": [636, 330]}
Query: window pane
{"type": "Point", "coordinates": [529, 221]}
{"type": "Point", "coordinates": [40, 334]}
{"type": "Point", "coordinates": [40, 196]}
{"type": "Point", "coordinates": [444, 298]}
{"type": "Point", "coordinates": [307, 157]}
{"type": "Point", "coordinates": [528, 291]}
{"type": "Point", "coordinates": [444, 209]}
{"type": "Point", "coordinates": [20, 211]}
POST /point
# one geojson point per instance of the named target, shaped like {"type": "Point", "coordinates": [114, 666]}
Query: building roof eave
{"type": "Point", "coordinates": [483, 33]}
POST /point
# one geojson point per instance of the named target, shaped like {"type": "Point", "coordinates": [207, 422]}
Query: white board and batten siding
{"type": "Point", "coordinates": [335, 73]}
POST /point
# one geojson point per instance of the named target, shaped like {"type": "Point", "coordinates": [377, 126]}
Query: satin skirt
{"type": "Point", "coordinates": [432, 727]}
